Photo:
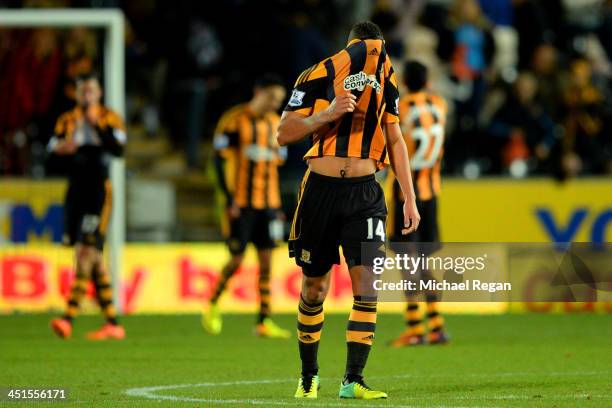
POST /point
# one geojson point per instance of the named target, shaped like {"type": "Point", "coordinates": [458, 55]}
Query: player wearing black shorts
{"type": "Point", "coordinates": [348, 103]}
{"type": "Point", "coordinates": [86, 137]}
{"type": "Point", "coordinates": [423, 118]}
{"type": "Point", "coordinates": [247, 158]}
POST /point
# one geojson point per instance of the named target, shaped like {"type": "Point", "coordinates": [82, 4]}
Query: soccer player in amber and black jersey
{"type": "Point", "coordinates": [422, 118]}
{"type": "Point", "coordinates": [349, 104]}
{"type": "Point", "coordinates": [247, 157]}
{"type": "Point", "coordinates": [87, 136]}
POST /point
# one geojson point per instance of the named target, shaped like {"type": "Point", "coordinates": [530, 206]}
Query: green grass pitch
{"type": "Point", "coordinates": [493, 361]}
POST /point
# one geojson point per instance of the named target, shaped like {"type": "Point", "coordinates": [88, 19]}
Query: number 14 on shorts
{"type": "Point", "coordinates": [379, 231]}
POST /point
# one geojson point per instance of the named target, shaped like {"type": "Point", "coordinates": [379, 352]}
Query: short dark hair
{"type": "Point", "coordinates": [415, 76]}
{"type": "Point", "coordinates": [87, 77]}
{"type": "Point", "coordinates": [366, 30]}
{"type": "Point", "coordinates": [269, 79]}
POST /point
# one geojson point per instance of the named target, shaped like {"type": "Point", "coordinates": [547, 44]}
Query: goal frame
{"type": "Point", "coordinates": [113, 23]}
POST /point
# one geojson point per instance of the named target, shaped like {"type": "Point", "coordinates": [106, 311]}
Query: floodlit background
{"type": "Point", "coordinates": [528, 154]}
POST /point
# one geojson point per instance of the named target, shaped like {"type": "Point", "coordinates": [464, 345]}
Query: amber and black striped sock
{"type": "Point", "coordinates": [77, 291]}
{"type": "Point", "coordinates": [435, 321]}
{"type": "Point", "coordinates": [227, 272]}
{"type": "Point", "coordinates": [414, 319]}
{"type": "Point", "coordinates": [264, 293]}
{"type": "Point", "coordinates": [359, 337]}
{"type": "Point", "coordinates": [309, 326]}
{"type": "Point", "coordinates": [104, 293]}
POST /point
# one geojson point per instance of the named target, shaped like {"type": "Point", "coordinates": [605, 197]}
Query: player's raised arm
{"type": "Point", "coordinates": [295, 126]}
{"type": "Point", "coordinates": [301, 118]}
{"type": "Point", "coordinates": [398, 156]}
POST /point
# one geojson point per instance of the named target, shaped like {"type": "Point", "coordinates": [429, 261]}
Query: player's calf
{"type": "Point", "coordinates": [359, 337]}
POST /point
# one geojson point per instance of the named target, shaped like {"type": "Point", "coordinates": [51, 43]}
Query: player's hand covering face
{"type": "Point", "coordinates": [65, 147]}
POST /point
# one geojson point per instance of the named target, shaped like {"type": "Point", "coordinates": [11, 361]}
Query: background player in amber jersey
{"type": "Point", "coordinates": [247, 158]}
{"type": "Point", "coordinates": [85, 136]}
{"type": "Point", "coordinates": [348, 102]}
{"type": "Point", "coordinates": [423, 117]}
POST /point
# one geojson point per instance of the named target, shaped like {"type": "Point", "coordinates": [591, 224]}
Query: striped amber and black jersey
{"type": "Point", "coordinates": [252, 154]}
{"type": "Point", "coordinates": [364, 69]}
{"type": "Point", "coordinates": [423, 119]}
{"type": "Point", "coordinates": [89, 165]}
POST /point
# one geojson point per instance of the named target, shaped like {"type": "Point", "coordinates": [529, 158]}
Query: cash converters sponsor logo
{"type": "Point", "coordinates": [360, 80]}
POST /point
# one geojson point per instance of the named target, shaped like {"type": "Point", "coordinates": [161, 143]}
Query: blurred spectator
{"type": "Point", "coordinates": [592, 50]}
{"type": "Point", "coordinates": [304, 45]}
{"type": "Point", "coordinates": [472, 53]}
{"type": "Point", "coordinates": [524, 131]}
{"type": "Point", "coordinates": [29, 70]}
{"type": "Point", "coordinates": [582, 14]}
{"type": "Point", "coordinates": [548, 76]}
{"type": "Point", "coordinates": [191, 73]}
{"type": "Point", "coordinates": [145, 65]}
{"type": "Point", "coordinates": [408, 13]}
{"type": "Point", "coordinates": [473, 43]}
{"type": "Point", "coordinates": [421, 44]}
{"type": "Point", "coordinates": [584, 113]}
{"type": "Point", "coordinates": [499, 12]}
{"type": "Point", "coordinates": [537, 22]}
{"type": "Point", "coordinates": [505, 61]}
{"type": "Point", "coordinates": [387, 19]}
{"type": "Point", "coordinates": [179, 56]}
{"type": "Point", "coordinates": [605, 29]}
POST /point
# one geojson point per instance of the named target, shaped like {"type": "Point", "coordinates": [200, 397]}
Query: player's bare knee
{"type": "Point", "coordinates": [97, 258]}
{"type": "Point", "coordinates": [236, 260]}
{"type": "Point", "coordinates": [86, 254]}
{"type": "Point", "coordinates": [265, 265]}
{"type": "Point", "coordinates": [314, 290]}
{"type": "Point", "coordinates": [264, 255]}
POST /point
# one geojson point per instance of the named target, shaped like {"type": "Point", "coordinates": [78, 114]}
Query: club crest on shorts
{"type": "Point", "coordinates": [305, 257]}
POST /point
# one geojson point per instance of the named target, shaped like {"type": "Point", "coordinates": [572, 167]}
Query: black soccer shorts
{"type": "Point", "coordinates": [261, 227]}
{"type": "Point", "coordinates": [334, 212]}
{"type": "Point", "coordinates": [87, 211]}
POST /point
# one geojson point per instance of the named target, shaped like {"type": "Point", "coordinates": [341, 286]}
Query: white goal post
{"type": "Point", "coordinates": [112, 22]}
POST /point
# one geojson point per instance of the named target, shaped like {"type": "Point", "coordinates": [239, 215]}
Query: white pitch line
{"type": "Point", "coordinates": [515, 374]}
{"type": "Point", "coordinates": [511, 397]}
{"type": "Point", "coordinates": [150, 392]}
